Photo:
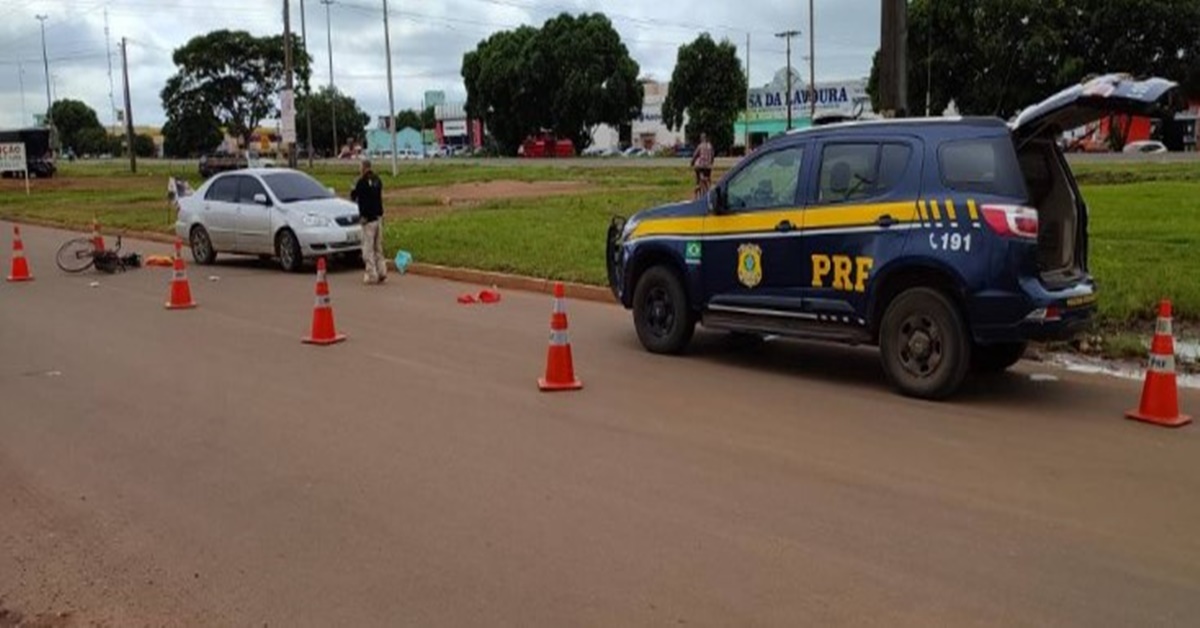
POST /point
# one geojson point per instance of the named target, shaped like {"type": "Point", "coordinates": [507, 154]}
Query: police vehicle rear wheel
{"type": "Point", "coordinates": [996, 358]}
{"type": "Point", "coordinates": [664, 321]}
{"type": "Point", "coordinates": [924, 345]}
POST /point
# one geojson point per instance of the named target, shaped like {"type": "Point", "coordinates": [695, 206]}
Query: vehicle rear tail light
{"type": "Point", "coordinates": [1045, 315]}
{"type": "Point", "coordinates": [1014, 221]}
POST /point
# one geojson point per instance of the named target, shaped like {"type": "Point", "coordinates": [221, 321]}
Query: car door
{"type": "Point", "coordinates": [862, 208]}
{"type": "Point", "coordinates": [751, 248]}
{"type": "Point", "coordinates": [220, 212]}
{"type": "Point", "coordinates": [254, 217]}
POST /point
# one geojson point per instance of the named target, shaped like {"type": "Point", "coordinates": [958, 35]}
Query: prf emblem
{"type": "Point", "coordinates": [750, 265]}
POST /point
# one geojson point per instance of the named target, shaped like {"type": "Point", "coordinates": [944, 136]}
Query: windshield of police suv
{"type": "Point", "coordinates": [290, 187]}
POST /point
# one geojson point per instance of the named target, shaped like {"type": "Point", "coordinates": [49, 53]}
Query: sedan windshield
{"type": "Point", "coordinates": [290, 187]}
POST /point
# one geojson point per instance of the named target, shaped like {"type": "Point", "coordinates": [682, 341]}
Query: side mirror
{"type": "Point", "coordinates": [717, 203]}
{"type": "Point", "coordinates": [261, 199]}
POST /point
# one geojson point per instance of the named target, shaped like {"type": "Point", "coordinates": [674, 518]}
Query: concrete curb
{"type": "Point", "coordinates": [507, 281]}
{"type": "Point", "coordinates": [512, 282]}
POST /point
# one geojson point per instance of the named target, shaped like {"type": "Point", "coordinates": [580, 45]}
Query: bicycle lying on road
{"type": "Point", "coordinates": [80, 254]}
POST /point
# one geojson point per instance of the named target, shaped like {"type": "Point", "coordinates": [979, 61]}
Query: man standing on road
{"type": "Point", "coordinates": [368, 193]}
{"type": "Point", "coordinates": [702, 162]}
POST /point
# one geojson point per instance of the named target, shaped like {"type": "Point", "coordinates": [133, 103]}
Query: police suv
{"type": "Point", "coordinates": [950, 243]}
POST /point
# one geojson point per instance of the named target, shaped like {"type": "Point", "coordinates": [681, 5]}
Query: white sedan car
{"type": "Point", "coordinates": [275, 212]}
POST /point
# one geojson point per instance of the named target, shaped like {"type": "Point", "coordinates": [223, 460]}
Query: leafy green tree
{"type": "Point", "coordinates": [568, 76]}
{"type": "Point", "coordinates": [351, 120]}
{"type": "Point", "coordinates": [71, 117]}
{"type": "Point", "coordinates": [235, 75]}
{"type": "Point", "coordinates": [408, 118]}
{"type": "Point", "coordinates": [428, 118]}
{"type": "Point", "coordinates": [190, 133]}
{"type": "Point", "coordinates": [143, 145]}
{"type": "Point", "coordinates": [91, 141]}
{"type": "Point", "coordinates": [708, 87]}
{"type": "Point", "coordinates": [993, 57]}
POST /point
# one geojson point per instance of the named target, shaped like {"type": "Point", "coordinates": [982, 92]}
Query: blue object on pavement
{"type": "Point", "coordinates": [403, 259]}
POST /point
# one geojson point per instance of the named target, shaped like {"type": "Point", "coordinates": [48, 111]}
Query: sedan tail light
{"type": "Point", "coordinates": [1014, 221]}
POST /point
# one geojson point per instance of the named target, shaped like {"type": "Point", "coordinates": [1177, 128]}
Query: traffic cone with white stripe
{"type": "Point", "coordinates": [1160, 394]}
{"type": "Point", "coordinates": [20, 265]}
{"type": "Point", "coordinates": [560, 368]}
{"type": "Point", "coordinates": [323, 332]}
{"type": "Point", "coordinates": [181, 290]}
{"type": "Point", "coordinates": [97, 239]}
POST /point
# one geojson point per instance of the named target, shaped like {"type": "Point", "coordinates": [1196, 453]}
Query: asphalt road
{"type": "Point", "coordinates": [204, 467]}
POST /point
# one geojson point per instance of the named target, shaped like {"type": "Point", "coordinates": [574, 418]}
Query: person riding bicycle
{"type": "Point", "coordinates": [702, 163]}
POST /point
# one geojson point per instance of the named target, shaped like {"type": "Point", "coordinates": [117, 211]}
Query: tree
{"type": "Point", "coordinates": [143, 145]}
{"type": "Point", "coordinates": [235, 76]}
{"type": "Point", "coordinates": [708, 88]}
{"type": "Point", "coordinates": [568, 76]}
{"type": "Point", "coordinates": [350, 119]}
{"type": "Point", "coordinates": [189, 133]}
{"type": "Point", "coordinates": [71, 117]}
{"type": "Point", "coordinates": [993, 57]}
{"type": "Point", "coordinates": [428, 118]}
{"type": "Point", "coordinates": [408, 118]}
{"type": "Point", "coordinates": [91, 141]}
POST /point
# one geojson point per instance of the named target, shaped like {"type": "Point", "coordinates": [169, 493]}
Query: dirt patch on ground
{"type": "Point", "coordinates": [91, 184]}
{"type": "Point", "coordinates": [425, 201]}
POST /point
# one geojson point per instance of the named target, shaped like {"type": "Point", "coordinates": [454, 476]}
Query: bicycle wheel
{"type": "Point", "coordinates": [76, 255]}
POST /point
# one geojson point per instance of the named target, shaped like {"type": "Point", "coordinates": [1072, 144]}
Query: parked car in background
{"type": "Point", "coordinates": [1144, 146]}
{"type": "Point", "coordinates": [222, 161]}
{"type": "Point", "coordinates": [635, 151]}
{"type": "Point", "coordinates": [270, 212]}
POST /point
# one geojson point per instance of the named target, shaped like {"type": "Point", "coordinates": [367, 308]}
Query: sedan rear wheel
{"type": "Point", "coordinates": [202, 247]}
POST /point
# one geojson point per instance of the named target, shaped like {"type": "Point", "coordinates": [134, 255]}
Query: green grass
{"type": "Point", "coordinates": [1145, 219]}
{"type": "Point", "coordinates": [1145, 245]}
{"type": "Point", "coordinates": [557, 238]}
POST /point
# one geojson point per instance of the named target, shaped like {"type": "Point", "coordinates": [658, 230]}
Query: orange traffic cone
{"type": "Point", "coordinates": [97, 239]}
{"type": "Point", "coordinates": [323, 332]}
{"type": "Point", "coordinates": [560, 369]}
{"type": "Point", "coordinates": [20, 266]}
{"type": "Point", "coordinates": [181, 290]}
{"type": "Point", "coordinates": [1160, 396]}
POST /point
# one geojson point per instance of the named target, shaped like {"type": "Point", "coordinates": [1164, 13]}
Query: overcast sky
{"type": "Point", "coordinates": [429, 38]}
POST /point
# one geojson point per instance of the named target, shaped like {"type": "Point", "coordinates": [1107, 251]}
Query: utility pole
{"type": "Point", "coordinates": [929, 63]}
{"type": "Point", "coordinates": [21, 83]}
{"type": "Point", "coordinates": [387, 44]}
{"type": "Point", "coordinates": [112, 101]}
{"type": "Point", "coordinates": [812, 64]}
{"type": "Point", "coordinates": [746, 126]}
{"type": "Point", "coordinates": [893, 59]}
{"type": "Point", "coordinates": [332, 88]}
{"type": "Point", "coordinates": [289, 110]}
{"type": "Point", "coordinates": [46, 67]}
{"type": "Point", "coordinates": [788, 35]}
{"type": "Point", "coordinates": [308, 109]}
{"type": "Point", "coordinates": [128, 107]}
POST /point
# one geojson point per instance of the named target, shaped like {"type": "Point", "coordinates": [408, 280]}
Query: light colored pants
{"type": "Point", "coordinates": [372, 250]}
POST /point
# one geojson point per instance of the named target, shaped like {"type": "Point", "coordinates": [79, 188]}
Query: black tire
{"type": "Point", "coordinates": [996, 358]}
{"type": "Point", "coordinates": [661, 314]}
{"type": "Point", "coordinates": [201, 244]}
{"type": "Point", "coordinates": [924, 344]}
{"type": "Point", "coordinates": [76, 256]}
{"type": "Point", "coordinates": [287, 247]}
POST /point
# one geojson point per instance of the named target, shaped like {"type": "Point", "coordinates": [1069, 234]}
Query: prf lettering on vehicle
{"type": "Point", "coordinates": [848, 274]}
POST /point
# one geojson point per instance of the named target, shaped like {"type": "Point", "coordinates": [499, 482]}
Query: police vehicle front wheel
{"type": "Point", "coordinates": [663, 319]}
{"type": "Point", "coordinates": [924, 344]}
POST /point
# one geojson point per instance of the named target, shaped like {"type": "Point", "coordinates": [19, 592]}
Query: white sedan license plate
{"type": "Point", "coordinates": [353, 238]}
